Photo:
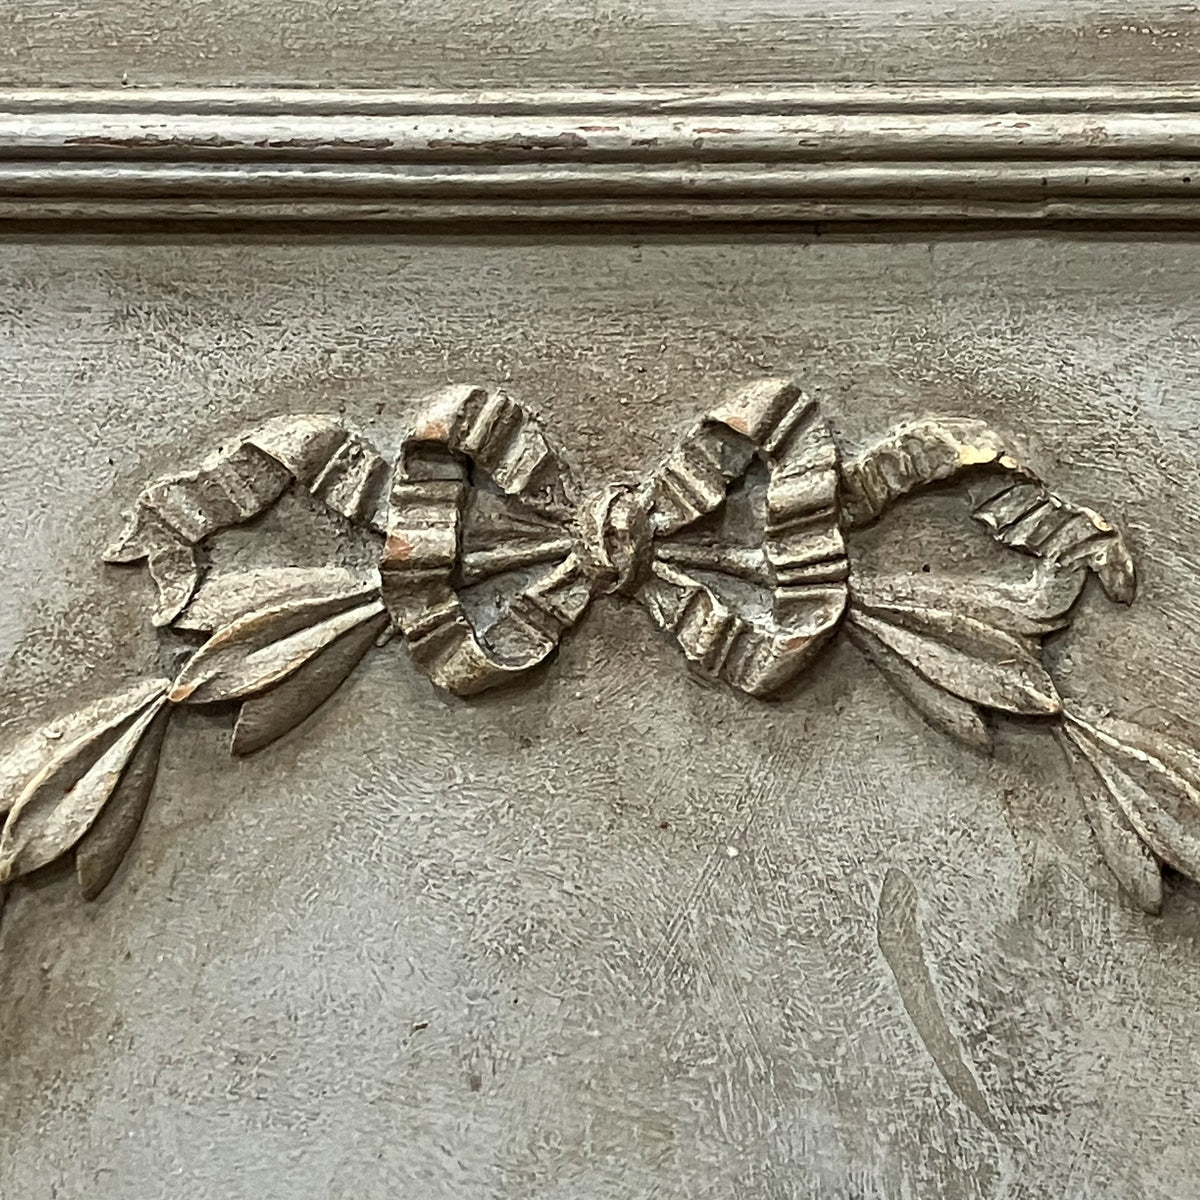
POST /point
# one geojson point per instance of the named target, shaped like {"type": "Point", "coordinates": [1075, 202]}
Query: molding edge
{"type": "Point", "coordinates": [854, 153]}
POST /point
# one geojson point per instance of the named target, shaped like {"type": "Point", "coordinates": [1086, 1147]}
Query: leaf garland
{"type": "Point", "coordinates": [83, 782]}
{"type": "Point", "coordinates": [68, 788]}
{"type": "Point", "coordinates": [1148, 787]}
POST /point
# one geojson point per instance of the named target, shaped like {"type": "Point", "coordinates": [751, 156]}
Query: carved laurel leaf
{"type": "Point", "coordinates": [263, 648]}
{"type": "Point", "coordinates": [1125, 854]}
{"type": "Point", "coordinates": [104, 846]}
{"type": "Point", "coordinates": [49, 743]}
{"type": "Point", "coordinates": [967, 657]}
{"type": "Point", "coordinates": [1031, 609]}
{"type": "Point", "coordinates": [957, 718]}
{"type": "Point", "coordinates": [264, 718]}
{"type": "Point", "coordinates": [1155, 782]}
{"type": "Point", "coordinates": [222, 599]}
{"type": "Point", "coordinates": [61, 801]}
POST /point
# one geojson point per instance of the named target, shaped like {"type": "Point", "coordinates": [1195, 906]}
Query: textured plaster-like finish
{"type": "Point", "coordinates": [612, 933]}
{"type": "Point", "coordinates": [477, 43]}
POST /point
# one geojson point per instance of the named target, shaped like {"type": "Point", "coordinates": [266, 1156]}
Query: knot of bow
{"type": "Point", "coordinates": [479, 493]}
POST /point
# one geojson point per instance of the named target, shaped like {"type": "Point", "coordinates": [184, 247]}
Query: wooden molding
{"type": "Point", "coordinates": [856, 153]}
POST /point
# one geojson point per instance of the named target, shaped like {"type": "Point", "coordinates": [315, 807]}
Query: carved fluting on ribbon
{"type": "Point", "coordinates": [802, 558]}
{"type": "Point", "coordinates": [735, 546]}
{"type": "Point", "coordinates": [239, 482]}
{"type": "Point", "coordinates": [464, 438]}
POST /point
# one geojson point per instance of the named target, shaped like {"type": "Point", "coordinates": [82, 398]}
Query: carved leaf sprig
{"type": "Point", "coordinates": [284, 659]}
{"type": "Point", "coordinates": [1030, 609]}
{"type": "Point", "coordinates": [947, 713]}
{"type": "Point", "coordinates": [103, 848]}
{"type": "Point", "coordinates": [82, 782]}
{"type": "Point", "coordinates": [952, 650]}
{"type": "Point", "coordinates": [263, 648]}
{"type": "Point", "coordinates": [58, 783]}
{"type": "Point", "coordinates": [1142, 801]}
{"type": "Point", "coordinates": [264, 718]}
{"type": "Point", "coordinates": [222, 599]}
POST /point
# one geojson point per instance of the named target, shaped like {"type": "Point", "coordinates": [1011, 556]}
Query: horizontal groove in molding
{"type": "Point", "coordinates": [820, 153]}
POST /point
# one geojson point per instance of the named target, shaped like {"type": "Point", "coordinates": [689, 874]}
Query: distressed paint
{"type": "Point", "coordinates": [613, 933]}
{"type": "Point", "coordinates": [481, 498]}
{"type": "Point", "coordinates": [803, 152]}
{"type": "Point", "coordinates": [472, 42]}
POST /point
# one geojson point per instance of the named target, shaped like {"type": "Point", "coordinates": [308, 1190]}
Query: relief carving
{"type": "Point", "coordinates": [739, 548]}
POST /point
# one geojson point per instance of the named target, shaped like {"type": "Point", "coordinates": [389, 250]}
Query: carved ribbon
{"type": "Point", "coordinates": [626, 540]}
{"type": "Point", "coordinates": [489, 557]}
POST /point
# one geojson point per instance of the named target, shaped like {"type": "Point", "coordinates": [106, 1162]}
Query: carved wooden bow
{"type": "Point", "coordinates": [629, 539]}
{"type": "Point", "coordinates": [735, 546]}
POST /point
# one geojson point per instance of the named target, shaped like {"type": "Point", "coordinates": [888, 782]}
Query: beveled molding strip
{"type": "Point", "coordinates": [847, 153]}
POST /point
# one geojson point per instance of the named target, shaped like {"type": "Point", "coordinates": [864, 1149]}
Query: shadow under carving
{"type": "Point", "coordinates": [739, 547]}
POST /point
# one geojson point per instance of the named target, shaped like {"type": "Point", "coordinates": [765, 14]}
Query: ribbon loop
{"type": "Point", "coordinates": [479, 492]}
{"type": "Point", "coordinates": [798, 557]}
{"type": "Point", "coordinates": [465, 440]}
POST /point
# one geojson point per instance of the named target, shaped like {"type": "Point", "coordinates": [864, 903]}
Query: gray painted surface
{"type": "Point", "coordinates": [614, 932]}
{"type": "Point", "coordinates": [473, 43]}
